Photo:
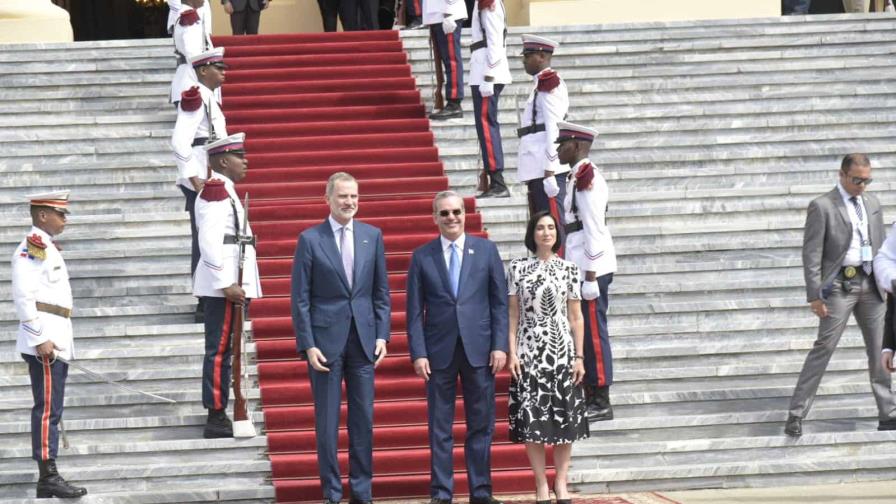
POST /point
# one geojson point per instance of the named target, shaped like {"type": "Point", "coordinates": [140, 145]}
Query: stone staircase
{"type": "Point", "coordinates": [714, 136]}
{"type": "Point", "coordinates": [93, 117]}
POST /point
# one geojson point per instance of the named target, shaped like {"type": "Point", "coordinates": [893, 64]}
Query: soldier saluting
{"type": "Point", "coordinates": [43, 300]}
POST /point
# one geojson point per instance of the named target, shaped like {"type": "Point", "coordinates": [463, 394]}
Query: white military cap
{"type": "Point", "coordinates": [57, 200]}
{"type": "Point", "coordinates": [533, 43]}
{"type": "Point", "coordinates": [233, 143]}
{"type": "Point", "coordinates": [570, 131]}
{"type": "Point", "coordinates": [211, 57]}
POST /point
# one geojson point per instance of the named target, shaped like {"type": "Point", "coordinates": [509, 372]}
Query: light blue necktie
{"type": "Point", "coordinates": [454, 269]}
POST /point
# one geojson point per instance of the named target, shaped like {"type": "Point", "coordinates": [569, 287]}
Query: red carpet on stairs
{"type": "Point", "coordinates": [311, 105]}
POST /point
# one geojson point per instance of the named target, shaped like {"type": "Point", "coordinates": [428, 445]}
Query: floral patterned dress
{"type": "Point", "coordinates": [545, 405]}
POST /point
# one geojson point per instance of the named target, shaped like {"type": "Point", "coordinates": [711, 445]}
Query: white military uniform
{"type": "Point", "coordinates": [193, 161]}
{"type": "Point", "coordinates": [36, 280]}
{"type": "Point", "coordinates": [189, 41]}
{"type": "Point", "coordinates": [490, 25]}
{"type": "Point", "coordinates": [537, 151]}
{"type": "Point", "coordinates": [174, 8]}
{"type": "Point", "coordinates": [219, 262]}
{"type": "Point", "coordinates": [885, 263]}
{"type": "Point", "coordinates": [592, 247]}
{"type": "Point", "coordinates": [434, 11]}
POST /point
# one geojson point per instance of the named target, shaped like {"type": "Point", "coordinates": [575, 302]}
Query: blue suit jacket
{"type": "Point", "coordinates": [322, 303]}
{"type": "Point", "coordinates": [478, 316]}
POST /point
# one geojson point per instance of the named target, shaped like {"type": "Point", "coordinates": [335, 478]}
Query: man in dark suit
{"type": "Point", "coordinates": [244, 15]}
{"type": "Point", "coordinates": [844, 229]}
{"type": "Point", "coordinates": [457, 325]}
{"type": "Point", "coordinates": [340, 313]}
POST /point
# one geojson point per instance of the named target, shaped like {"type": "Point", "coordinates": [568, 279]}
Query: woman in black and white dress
{"type": "Point", "coordinates": [547, 404]}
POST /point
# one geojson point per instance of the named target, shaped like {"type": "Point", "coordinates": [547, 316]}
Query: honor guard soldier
{"type": "Point", "coordinates": [445, 21]}
{"type": "Point", "coordinates": [43, 301]}
{"type": "Point", "coordinates": [489, 73]}
{"type": "Point", "coordinates": [590, 245]}
{"type": "Point", "coordinates": [548, 103]}
{"type": "Point", "coordinates": [190, 40]}
{"type": "Point", "coordinates": [220, 217]}
{"type": "Point", "coordinates": [199, 120]}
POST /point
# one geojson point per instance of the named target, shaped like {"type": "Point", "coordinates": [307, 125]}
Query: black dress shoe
{"type": "Point", "coordinates": [217, 425]}
{"type": "Point", "coordinates": [595, 413]}
{"type": "Point", "coordinates": [51, 484]}
{"type": "Point", "coordinates": [887, 425]}
{"type": "Point", "coordinates": [436, 500]}
{"type": "Point", "coordinates": [328, 501]}
{"type": "Point", "coordinates": [452, 110]}
{"type": "Point", "coordinates": [415, 23]}
{"type": "Point", "coordinates": [484, 500]}
{"type": "Point", "coordinates": [794, 426]}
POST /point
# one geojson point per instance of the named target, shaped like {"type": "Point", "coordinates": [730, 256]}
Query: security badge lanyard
{"type": "Point", "coordinates": [864, 253]}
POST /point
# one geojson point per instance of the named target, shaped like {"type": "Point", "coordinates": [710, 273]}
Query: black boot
{"type": "Point", "coordinates": [217, 425]}
{"type": "Point", "coordinates": [51, 484]}
{"type": "Point", "coordinates": [497, 188]}
{"type": "Point", "coordinates": [452, 110]}
{"type": "Point", "coordinates": [415, 23]}
{"type": "Point", "coordinates": [599, 408]}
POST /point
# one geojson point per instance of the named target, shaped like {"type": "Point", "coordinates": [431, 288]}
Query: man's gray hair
{"type": "Point", "coordinates": [338, 177]}
{"type": "Point", "coordinates": [445, 195]}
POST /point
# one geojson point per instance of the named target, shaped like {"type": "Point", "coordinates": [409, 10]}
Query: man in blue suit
{"type": "Point", "coordinates": [340, 313]}
{"type": "Point", "coordinates": [457, 325]}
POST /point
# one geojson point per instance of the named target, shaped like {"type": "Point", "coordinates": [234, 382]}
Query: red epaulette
{"type": "Point", "coordinates": [547, 81]}
{"type": "Point", "coordinates": [214, 190]}
{"type": "Point", "coordinates": [37, 241]}
{"type": "Point", "coordinates": [191, 99]}
{"type": "Point", "coordinates": [584, 176]}
{"type": "Point", "coordinates": [188, 17]}
{"type": "Point", "coordinates": [486, 4]}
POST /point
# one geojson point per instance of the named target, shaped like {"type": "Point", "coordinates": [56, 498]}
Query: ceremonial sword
{"type": "Point", "coordinates": [110, 381]}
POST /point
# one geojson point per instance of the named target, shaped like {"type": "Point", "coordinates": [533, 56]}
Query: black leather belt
{"type": "Point", "coordinates": [475, 46]}
{"type": "Point", "coordinates": [572, 227]}
{"type": "Point", "coordinates": [200, 141]}
{"type": "Point", "coordinates": [528, 130]}
{"type": "Point", "coordinates": [231, 240]}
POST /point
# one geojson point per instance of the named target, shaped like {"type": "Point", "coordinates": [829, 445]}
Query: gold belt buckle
{"type": "Point", "coordinates": [849, 272]}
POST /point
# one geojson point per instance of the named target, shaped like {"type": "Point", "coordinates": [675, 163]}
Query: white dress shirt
{"type": "Point", "coordinates": [859, 227]}
{"type": "Point", "coordinates": [446, 250]}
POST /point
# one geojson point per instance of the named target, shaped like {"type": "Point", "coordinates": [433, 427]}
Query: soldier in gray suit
{"type": "Point", "coordinates": [244, 15]}
{"type": "Point", "coordinates": [844, 229]}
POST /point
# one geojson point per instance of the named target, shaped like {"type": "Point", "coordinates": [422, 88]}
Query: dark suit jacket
{"type": "Point", "coordinates": [478, 316]}
{"type": "Point", "coordinates": [889, 337]}
{"type": "Point", "coordinates": [827, 236]}
{"type": "Point", "coordinates": [240, 5]}
{"type": "Point", "coordinates": [322, 303]}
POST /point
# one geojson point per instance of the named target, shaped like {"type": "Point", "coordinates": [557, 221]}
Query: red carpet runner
{"type": "Point", "coordinates": [313, 104]}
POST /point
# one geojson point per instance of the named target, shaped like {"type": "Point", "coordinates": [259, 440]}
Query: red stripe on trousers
{"type": "Point", "coordinates": [486, 131]}
{"type": "Point", "coordinates": [216, 372]}
{"type": "Point", "coordinates": [555, 211]}
{"type": "Point", "coordinates": [595, 339]}
{"type": "Point", "coordinates": [417, 9]}
{"type": "Point", "coordinates": [45, 419]}
{"type": "Point", "coordinates": [452, 60]}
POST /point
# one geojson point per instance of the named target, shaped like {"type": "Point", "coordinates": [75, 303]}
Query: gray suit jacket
{"type": "Point", "coordinates": [827, 236]}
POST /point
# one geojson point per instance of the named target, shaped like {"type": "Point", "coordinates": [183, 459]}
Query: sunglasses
{"type": "Point", "coordinates": [860, 180]}
{"type": "Point", "coordinates": [456, 212]}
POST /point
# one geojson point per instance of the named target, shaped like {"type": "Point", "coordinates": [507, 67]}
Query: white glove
{"type": "Point", "coordinates": [590, 290]}
{"type": "Point", "coordinates": [449, 25]}
{"type": "Point", "coordinates": [487, 89]}
{"type": "Point", "coordinates": [550, 187]}
{"type": "Point", "coordinates": [889, 7]}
